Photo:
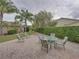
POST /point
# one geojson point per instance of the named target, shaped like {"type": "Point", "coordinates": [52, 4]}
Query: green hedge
{"type": "Point", "coordinates": [71, 32]}
{"type": "Point", "coordinates": [12, 32]}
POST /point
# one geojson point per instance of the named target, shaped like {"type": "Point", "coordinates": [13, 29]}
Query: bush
{"type": "Point", "coordinates": [71, 32]}
{"type": "Point", "coordinates": [12, 32]}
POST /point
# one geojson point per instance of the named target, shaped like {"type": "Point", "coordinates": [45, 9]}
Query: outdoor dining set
{"type": "Point", "coordinates": [48, 40]}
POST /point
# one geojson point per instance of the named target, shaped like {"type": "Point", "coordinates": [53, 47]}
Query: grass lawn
{"type": "Point", "coordinates": [4, 38]}
{"type": "Point", "coordinates": [7, 37]}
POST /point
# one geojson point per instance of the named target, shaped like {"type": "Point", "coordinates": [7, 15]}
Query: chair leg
{"type": "Point", "coordinates": [47, 48]}
{"type": "Point", "coordinates": [64, 47]}
{"type": "Point", "coordinates": [42, 46]}
{"type": "Point", "coordinates": [50, 46]}
{"type": "Point", "coordinates": [55, 45]}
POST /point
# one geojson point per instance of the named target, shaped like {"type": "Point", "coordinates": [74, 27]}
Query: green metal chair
{"type": "Point", "coordinates": [20, 39]}
{"type": "Point", "coordinates": [45, 45]}
{"type": "Point", "coordinates": [62, 43]}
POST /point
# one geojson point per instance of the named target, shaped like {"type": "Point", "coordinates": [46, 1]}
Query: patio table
{"type": "Point", "coordinates": [51, 40]}
{"type": "Point", "coordinates": [47, 41]}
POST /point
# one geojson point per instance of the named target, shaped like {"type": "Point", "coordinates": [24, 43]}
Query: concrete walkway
{"type": "Point", "coordinates": [31, 49]}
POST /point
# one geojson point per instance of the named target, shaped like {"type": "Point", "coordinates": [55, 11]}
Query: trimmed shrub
{"type": "Point", "coordinates": [71, 32]}
{"type": "Point", "coordinates": [12, 32]}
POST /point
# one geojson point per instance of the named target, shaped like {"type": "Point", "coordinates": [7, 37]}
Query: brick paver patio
{"type": "Point", "coordinates": [31, 49]}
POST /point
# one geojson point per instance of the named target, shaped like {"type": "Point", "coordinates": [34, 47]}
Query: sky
{"type": "Point", "coordinates": [58, 8]}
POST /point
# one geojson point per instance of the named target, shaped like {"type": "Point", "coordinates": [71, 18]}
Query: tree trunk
{"type": "Point", "coordinates": [1, 21]}
{"type": "Point", "coordinates": [21, 28]}
{"type": "Point", "coordinates": [25, 26]}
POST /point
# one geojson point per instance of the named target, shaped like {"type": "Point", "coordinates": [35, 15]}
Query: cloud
{"type": "Point", "coordinates": [61, 8]}
{"type": "Point", "coordinates": [75, 12]}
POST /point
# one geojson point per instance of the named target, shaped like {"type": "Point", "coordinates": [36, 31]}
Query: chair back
{"type": "Point", "coordinates": [65, 40]}
{"type": "Point", "coordinates": [41, 37]}
{"type": "Point", "coordinates": [18, 36]}
{"type": "Point", "coordinates": [44, 43]}
{"type": "Point", "coordinates": [52, 34]}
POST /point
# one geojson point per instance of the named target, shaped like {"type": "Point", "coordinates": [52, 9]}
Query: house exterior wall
{"type": "Point", "coordinates": [66, 22]}
{"type": "Point", "coordinates": [75, 24]}
{"type": "Point", "coordinates": [3, 31]}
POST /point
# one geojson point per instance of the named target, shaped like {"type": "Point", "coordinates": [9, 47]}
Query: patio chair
{"type": "Point", "coordinates": [62, 43]}
{"type": "Point", "coordinates": [45, 45]}
{"type": "Point", "coordinates": [52, 34]}
{"type": "Point", "coordinates": [24, 35]}
{"type": "Point", "coordinates": [41, 37]}
{"type": "Point", "coordinates": [19, 37]}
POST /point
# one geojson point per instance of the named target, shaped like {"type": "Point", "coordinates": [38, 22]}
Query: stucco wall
{"type": "Point", "coordinates": [3, 31]}
{"type": "Point", "coordinates": [61, 23]}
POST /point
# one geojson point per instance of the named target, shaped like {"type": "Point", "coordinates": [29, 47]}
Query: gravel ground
{"type": "Point", "coordinates": [31, 49]}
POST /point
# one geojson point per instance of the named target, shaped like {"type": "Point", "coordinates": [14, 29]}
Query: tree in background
{"type": "Point", "coordinates": [42, 19]}
{"type": "Point", "coordinates": [25, 16]}
{"type": "Point", "coordinates": [52, 23]}
{"type": "Point", "coordinates": [6, 6]}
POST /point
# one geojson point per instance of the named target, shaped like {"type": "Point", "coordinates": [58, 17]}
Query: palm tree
{"type": "Point", "coordinates": [25, 16]}
{"type": "Point", "coordinates": [18, 22]}
{"type": "Point", "coordinates": [42, 19]}
{"type": "Point", "coordinates": [6, 6]}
